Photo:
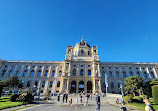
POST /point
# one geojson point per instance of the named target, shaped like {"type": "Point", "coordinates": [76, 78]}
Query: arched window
{"type": "Point", "coordinates": [39, 73]}
{"type": "Point", "coordinates": [103, 74]}
{"type": "Point", "coordinates": [36, 83]}
{"type": "Point", "coordinates": [51, 83]}
{"type": "Point", "coordinates": [145, 75]}
{"type": "Point", "coordinates": [118, 85]}
{"type": "Point", "coordinates": [138, 73]}
{"type": "Point", "coordinates": [112, 85]}
{"type": "Point", "coordinates": [124, 74]}
{"type": "Point", "coordinates": [58, 84]}
{"type": "Point", "coordinates": [81, 72]}
{"type": "Point", "coordinates": [53, 73]}
{"type": "Point", "coordinates": [3, 73]}
{"type": "Point", "coordinates": [82, 51]}
{"type": "Point", "coordinates": [28, 84]}
{"type": "Point", "coordinates": [110, 74]}
{"type": "Point", "coordinates": [74, 72]}
{"type": "Point", "coordinates": [17, 72]}
{"type": "Point", "coordinates": [131, 73]}
{"type": "Point", "coordinates": [32, 73]}
{"type": "Point", "coordinates": [152, 75]}
{"type": "Point", "coordinates": [11, 73]}
{"type": "Point", "coordinates": [25, 73]}
{"type": "Point", "coordinates": [43, 83]}
{"type": "Point", "coordinates": [46, 73]}
{"type": "Point", "coordinates": [60, 73]}
{"type": "Point", "coordinates": [117, 74]}
{"type": "Point", "coordinates": [89, 72]}
{"type": "Point", "coordinates": [88, 53]}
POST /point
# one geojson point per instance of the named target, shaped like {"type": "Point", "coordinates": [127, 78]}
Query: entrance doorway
{"type": "Point", "coordinates": [73, 87]}
{"type": "Point", "coordinates": [89, 87]}
{"type": "Point", "coordinates": [81, 86]}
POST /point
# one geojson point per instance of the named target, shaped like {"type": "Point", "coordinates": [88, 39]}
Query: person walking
{"type": "Point", "coordinates": [58, 98]}
{"type": "Point", "coordinates": [87, 101]}
{"type": "Point", "coordinates": [148, 106]}
{"type": "Point", "coordinates": [71, 101]}
{"type": "Point", "coordinates": [98, 102]}
{"type": "Point", "coordinates": [91, 96]}
{"type": "Point", "coordinates": [63, 97]}
{"type": "Point", "coordinates": [123, 107]}
{"type": "Point", "coordinates": [81, 98]}
{"type": "Point", "coordinates": [24, 98]}
{"type": "Point", "coordinates": [66, 97]}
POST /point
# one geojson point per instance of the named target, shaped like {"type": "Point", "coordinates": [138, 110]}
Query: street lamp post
{"type": "Point", "coordinates": [106, 84]}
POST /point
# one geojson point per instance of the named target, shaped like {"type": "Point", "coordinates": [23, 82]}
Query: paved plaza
{"type": "Point", "coordinates": [52, 105]}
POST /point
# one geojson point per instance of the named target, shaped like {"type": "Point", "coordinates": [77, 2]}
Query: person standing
{"type": "Point", "coordinates": [24, 98]}
{"type": "Point", "coordinates": [66, 97]}
{"type": "Point", "coordinates": [87, 101]}
{"type": "Point", "coordinates": [91, 96]}
{"type": "Point", "coordinates": [71, 101]}
{"type": "Point", "coordinates": [63, 97]}
{"type": "Point", "coordinates": [123, 107]}
{"type": "Point", "coordinates": [148, 106]}
{"type": "Point", "coordinates": [58, 98]}
{"type": "Point", "coordinates": [98, 102]}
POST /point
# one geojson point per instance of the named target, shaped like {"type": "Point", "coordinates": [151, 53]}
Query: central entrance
{"type": "Point", "coordinates": [73, 87]}
{"type": "Point", "coordinates": [81, 86]}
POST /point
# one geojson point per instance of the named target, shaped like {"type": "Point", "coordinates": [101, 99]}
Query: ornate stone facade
{"type": "Point", "coordinates": [80, 71]}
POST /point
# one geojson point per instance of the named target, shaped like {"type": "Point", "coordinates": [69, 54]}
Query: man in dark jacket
{"type": "Point", "coordinates": [66, 97]}
{"type": "Point", "coordinates": [98, 102]}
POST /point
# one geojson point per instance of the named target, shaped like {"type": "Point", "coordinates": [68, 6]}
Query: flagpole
{"type": "Point", "coordinates": [106, 83]}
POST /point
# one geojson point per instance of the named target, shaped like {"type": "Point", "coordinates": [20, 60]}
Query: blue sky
{"type": "Point", "coordinates": [123, 30]}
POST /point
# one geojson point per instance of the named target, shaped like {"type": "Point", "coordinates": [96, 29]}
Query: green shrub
{"type": "Point", "coordinates": [20, 97]}
{"type": "Point", "coordinates": [130, 95]}
{"type": "Point", "coordinates": [144, 96]}
{"type": "Point", "coordinates": [13, 97]}
{"type": "Point", "coordinates": [29, 98]}
{"type": "Point", "coordinates": [137, 99]}
{"type": "Point", "coordinates": [127, 99]}
{"type": "Point", "coordinates": [155, 93]}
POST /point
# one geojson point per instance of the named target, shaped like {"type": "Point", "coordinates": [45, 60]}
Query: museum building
{"type": "Point", "coordinates": [80, 71]}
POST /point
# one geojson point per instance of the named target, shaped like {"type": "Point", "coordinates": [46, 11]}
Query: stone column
{"type": "Point", "coordinates": [46, 87]}
{"type": "Point", "coordinates": [85, 86]}
{"type": "Point", "coordinates": [42, 72]}
{"type": "Point", "coordinates": [94, 89]}
{"type": "Point", "coordinates": [69, 69]}
{"type": "Point", "coordinates": [148, 73]}
{"type": "Point", "coordinates": [62, 85]}
{"type": "Point", "coordinates": [77, 85]}
{"type": "Point", "coordinates": [49, 71]}
{"type": "Point", "coordinates": [36, 67]}
{"type": "Point", "coordinates": [64, 69]}
{"type": "Point", "coordinates": [154, 71]}
{"type": "Point", "coordinates": [99, 84]}
{"type": "Point", "coordinates": [141, 73]}
{"type": "Point", "coordinates": [28, 71]}
{"type": "Point", "coordinates": [93, 70]}
{"type": "Point", "coordinates": [99, 70]}
{"type": "Point", "coordinates": [68, 86]}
